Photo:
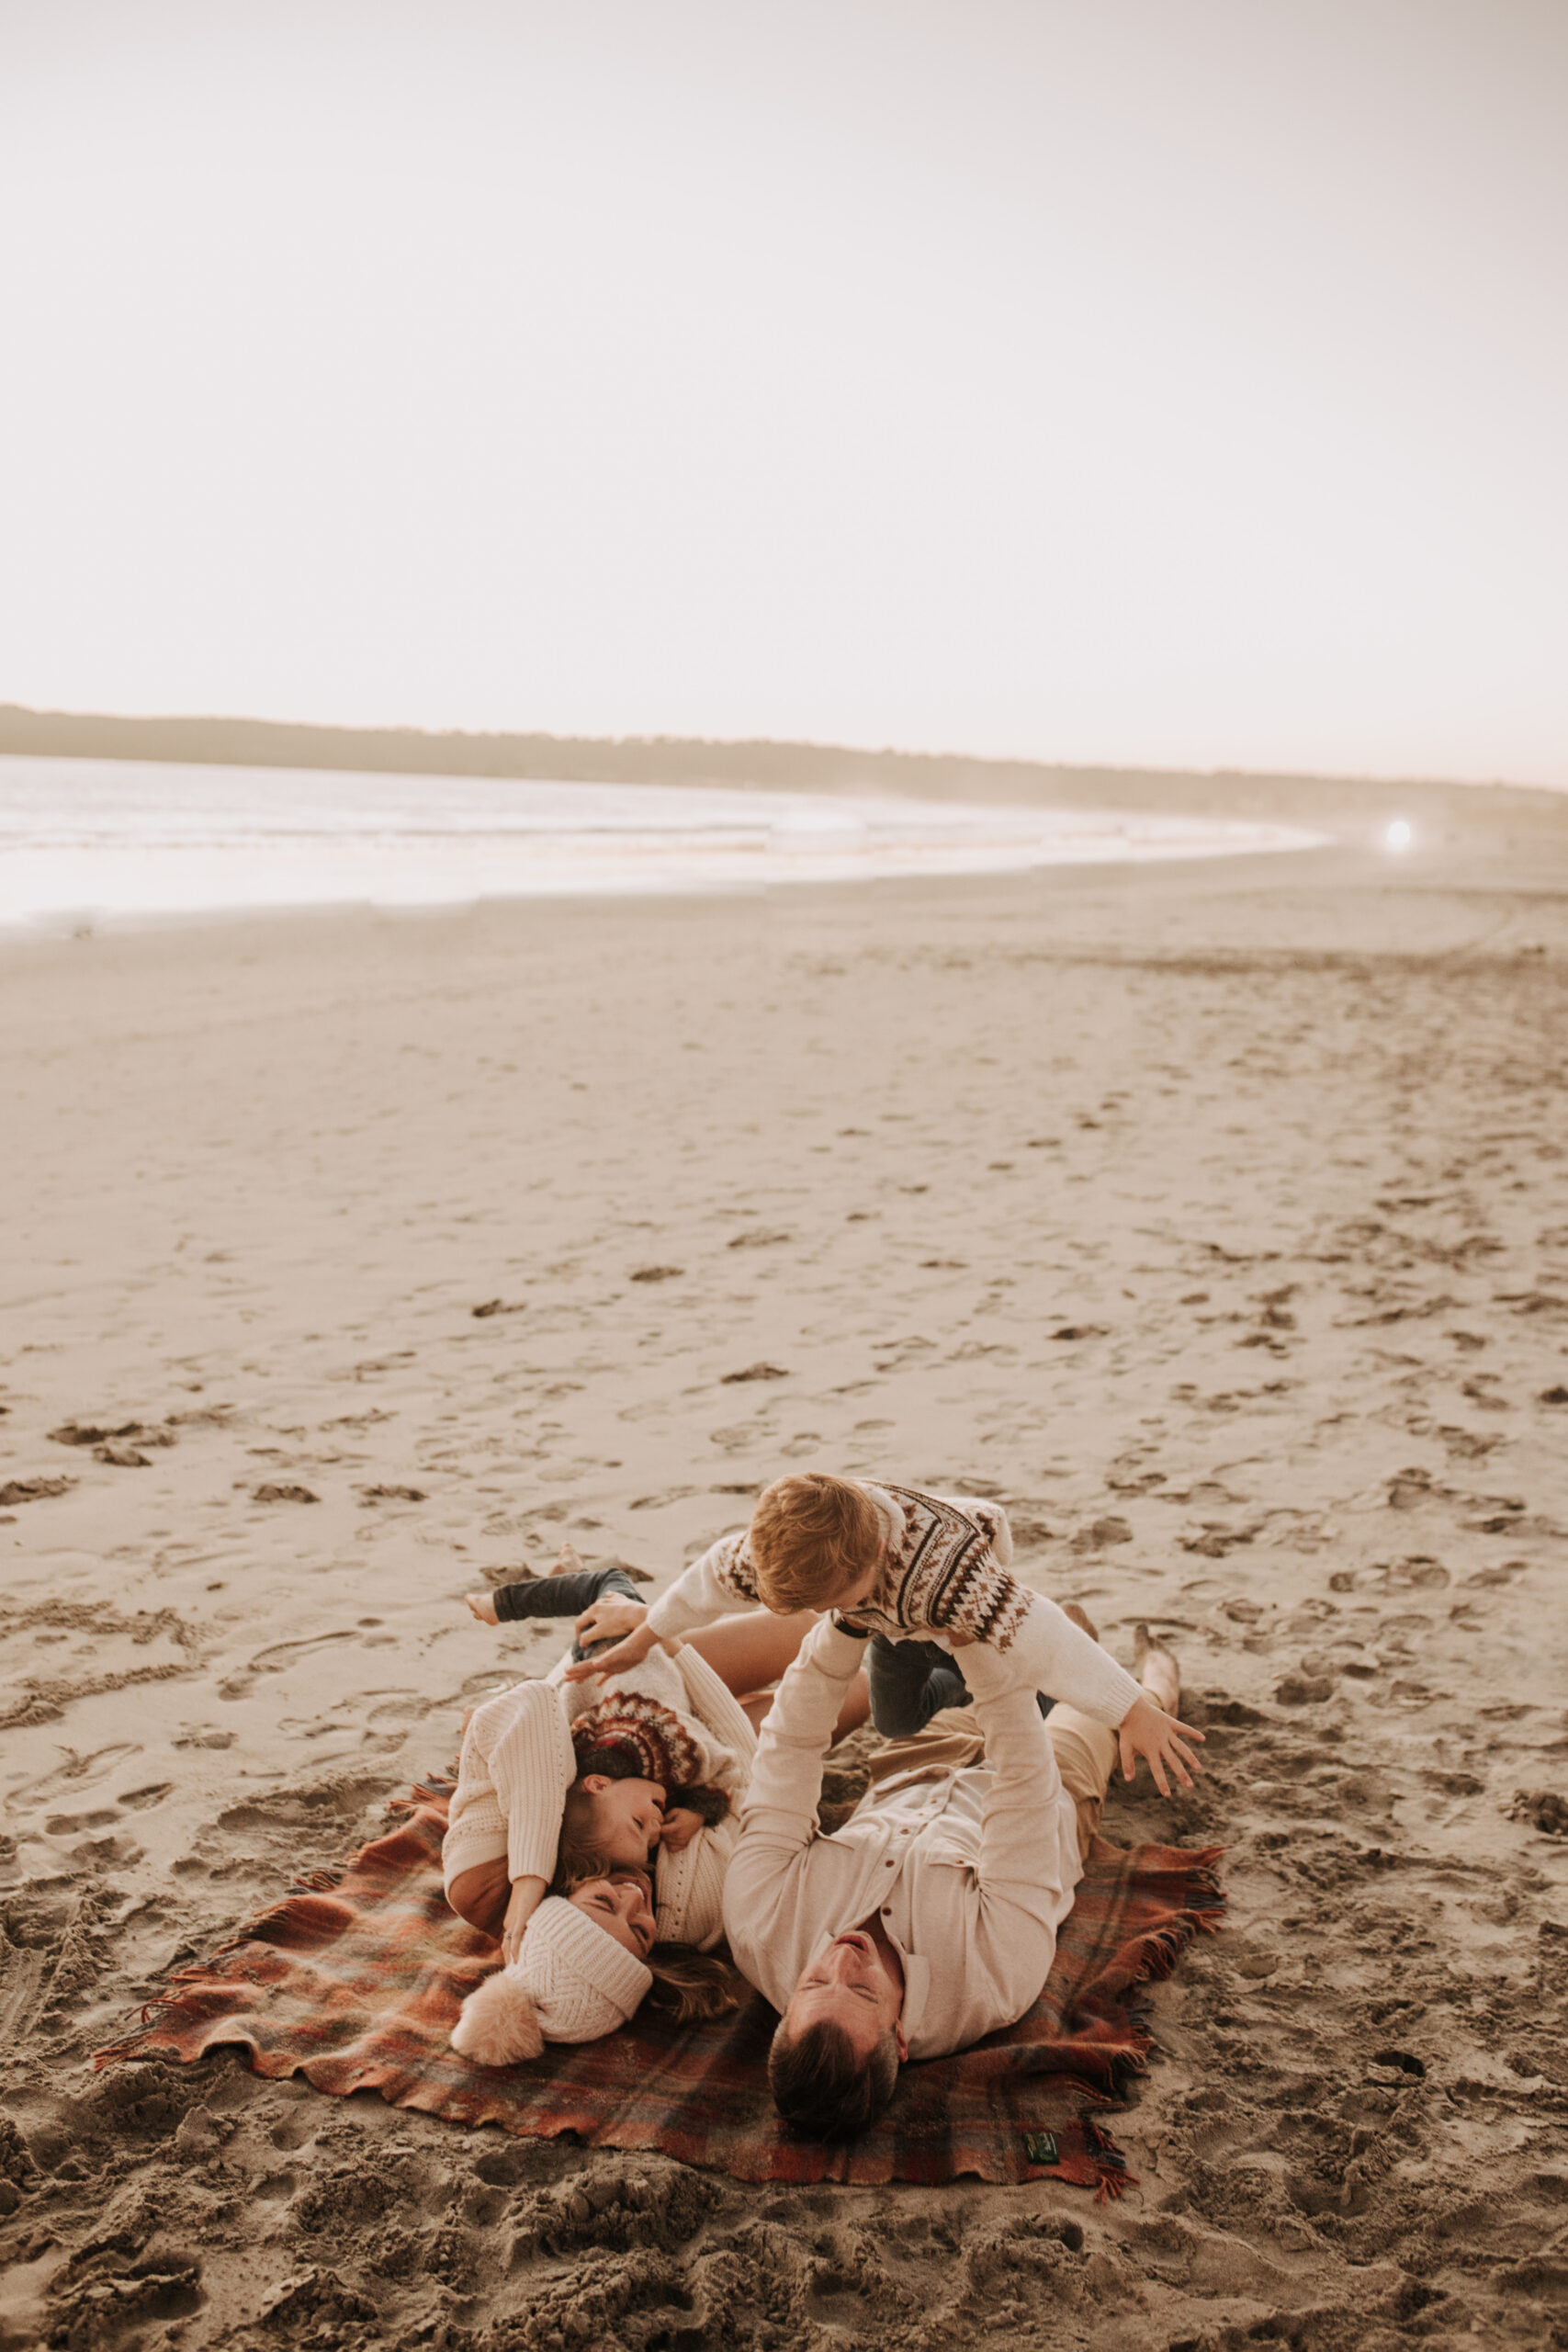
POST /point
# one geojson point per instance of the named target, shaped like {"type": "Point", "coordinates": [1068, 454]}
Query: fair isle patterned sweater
{"type": "Point", "coordinates": [945, 1573]}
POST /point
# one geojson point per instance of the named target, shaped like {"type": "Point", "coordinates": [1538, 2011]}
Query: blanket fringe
{"type": "Point", "coordinates": [1154, 1956]}
{"type": "Point", "coordinates": [1112, 2179]}
{"type": "Point", "coordinates": [170, 2012]}
{"type": "Point", "coordinates": [1202, 1914]}
{"type": "Point", "coordinates": [436, 1788]}
{"type": "Point", "coordinates": [320, 1881]}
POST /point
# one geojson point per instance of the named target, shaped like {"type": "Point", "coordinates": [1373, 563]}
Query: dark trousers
{"type": "Point", "coordinates": [913, 1682]}
{"type": "Point", "coordinates": [562, 1596]}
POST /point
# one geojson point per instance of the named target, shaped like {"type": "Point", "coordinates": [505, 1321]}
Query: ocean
{"type": "Point", "coordinates": [85, 841]}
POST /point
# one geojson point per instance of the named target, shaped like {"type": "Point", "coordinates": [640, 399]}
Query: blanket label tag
{"type": "Point", "coordinates": [1040, 2148]}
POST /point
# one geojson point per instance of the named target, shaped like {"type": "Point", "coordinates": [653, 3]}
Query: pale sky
{"type": "Point", "coordinates": [1170, 383]}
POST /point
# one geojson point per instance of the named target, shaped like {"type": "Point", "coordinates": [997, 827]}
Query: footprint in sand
{"type": "Point", "coordinates": [1418, 1574]}
{"type": "Point", "coordinates": [32, 1490]}
{"type": "Point", "coordinates": [277, 1659]}
{"type": "Point", "coordinates": [79, 1772]}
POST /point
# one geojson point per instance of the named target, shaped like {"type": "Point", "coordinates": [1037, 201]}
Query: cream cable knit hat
{"type": "Point", "coordinates": [572, 1982]}
{"type": "Point", "coordinates": [582, 1982]}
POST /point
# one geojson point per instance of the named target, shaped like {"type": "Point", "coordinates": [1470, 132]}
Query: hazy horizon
{"type": "Point", "coordinates": [219, 739]}
{"type": "Point", "coordinates": [1128, 389]}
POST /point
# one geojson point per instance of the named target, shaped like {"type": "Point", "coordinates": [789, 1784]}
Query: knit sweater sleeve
{"type": "Point", "coordinates": [731, 1743]}
{"type": "Point", "coordinates": [991, 1517]}
{"type": "Point", "coordinates": [525, 1744]}
{"type": "Point", "coordinates": [1047, 1650]}
{"type": "Point", "coordinates": [721, 1582]}
{"type": "Point", "coordinates": [780, 1813]}
{"type": "Point", "coordinates": [1019, 1866]}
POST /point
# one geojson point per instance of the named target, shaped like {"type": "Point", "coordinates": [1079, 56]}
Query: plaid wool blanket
{"type": "Point", "coordinates": [355, 1980]}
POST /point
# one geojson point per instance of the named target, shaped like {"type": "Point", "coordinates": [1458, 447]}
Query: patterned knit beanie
{"type": "Point", "coordinates": [651, 1734]}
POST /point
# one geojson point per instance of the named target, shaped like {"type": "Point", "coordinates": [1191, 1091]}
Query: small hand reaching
{"type": "Point", "coordinates": [627, 1654]}
{"type": "Point", "coordinates": [1146, 1730]}
{"type": "Point", "coordinates": [680, 1825]}
{"type": "Point", "coordinates": [610, 1620]}
{"type": "Point", "coordinates": [483, 1606]}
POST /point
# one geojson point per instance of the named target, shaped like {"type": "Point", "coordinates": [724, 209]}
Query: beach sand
{"type": "Point", "coordinates": [1217, 1218]}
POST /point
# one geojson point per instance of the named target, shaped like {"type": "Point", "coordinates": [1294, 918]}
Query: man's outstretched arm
{"type": "Point", "coordinates": [779, 1809]}
{"type": "Point", "coordinates": [1018, 1862]}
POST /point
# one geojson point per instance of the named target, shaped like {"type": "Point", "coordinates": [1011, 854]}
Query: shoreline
{"type": "Point", "coordinates": [119, 843]}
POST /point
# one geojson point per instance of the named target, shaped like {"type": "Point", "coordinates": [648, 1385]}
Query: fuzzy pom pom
{"type": "Point", "coordinates": [499, 2025]}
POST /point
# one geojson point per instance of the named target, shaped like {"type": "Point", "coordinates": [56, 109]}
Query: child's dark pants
{"type": "Point", "coordinates": [562, 1596]}
{"type": "Point", "coordinates": [913, 1682]}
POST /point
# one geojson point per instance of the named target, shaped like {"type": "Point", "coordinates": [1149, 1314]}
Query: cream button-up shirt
{"type": "Point", "coordinates": [970, 1872]}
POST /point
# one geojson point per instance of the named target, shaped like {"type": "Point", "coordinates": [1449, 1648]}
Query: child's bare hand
{"type": "Point", "coordinates": [627, 1654]}
{"type": "Point", "coordinates": [610, 1620]}
{"type": "Point", "coordinates": [483, 1606]}
{"type": "Point", "coordinates": [680, 1825]}
{"type": "Point", "coordinates": [1146, 1730]}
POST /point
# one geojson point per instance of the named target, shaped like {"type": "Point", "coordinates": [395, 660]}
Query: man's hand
{"type": "Point", "coordinates": [627, 1654]}
{"type": "Point", "coordinates": [610, 1620]}
{"type": "Point", "coordinates": [1148, 1730]}
{"type": "Point", "coordinates": [526, 1895]}
{"type": "Point", "coordinates": [483, 1607]}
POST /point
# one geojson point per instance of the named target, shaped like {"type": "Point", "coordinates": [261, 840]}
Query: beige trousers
{"type": "Point", "coordinates": [1085, 1753]}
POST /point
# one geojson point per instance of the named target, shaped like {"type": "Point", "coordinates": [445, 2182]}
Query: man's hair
{"type": "Point", "coordinates": [811, 1535]}
{"type": "Point", "coordinates": [823, 2087]}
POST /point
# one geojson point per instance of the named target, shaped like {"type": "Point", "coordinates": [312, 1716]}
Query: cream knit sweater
{"type": "Point", "coordinates": [518, 1762]}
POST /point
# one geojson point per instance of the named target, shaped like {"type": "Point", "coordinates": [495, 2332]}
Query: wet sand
{"type": "Point", "coordinates": [1216, 1218]}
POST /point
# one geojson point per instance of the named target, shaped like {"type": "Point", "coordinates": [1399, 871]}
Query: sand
{"type": "Point", "coordinates": [1216, 1218]}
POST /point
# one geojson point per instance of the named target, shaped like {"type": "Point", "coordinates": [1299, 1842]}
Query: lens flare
{"type": "Point", "coordinates": [1397, 835]}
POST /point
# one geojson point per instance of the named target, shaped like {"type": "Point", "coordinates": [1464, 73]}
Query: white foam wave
{"type": "Point", "coordinates": [136, 839]}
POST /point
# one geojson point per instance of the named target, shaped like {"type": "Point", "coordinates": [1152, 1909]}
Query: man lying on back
{"type": "Point", "coordinates": [930, 1918]}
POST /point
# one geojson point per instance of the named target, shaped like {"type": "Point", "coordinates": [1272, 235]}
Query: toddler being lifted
{"type": "Point", "coordinates": [910, 1569]}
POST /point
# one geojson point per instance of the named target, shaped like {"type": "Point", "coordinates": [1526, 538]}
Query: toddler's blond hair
{"type": "Point", "coordinates": [812, 1536]}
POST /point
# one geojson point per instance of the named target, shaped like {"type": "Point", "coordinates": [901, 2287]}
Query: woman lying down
{"type": "Point", "coordinates": [589, 1834]}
